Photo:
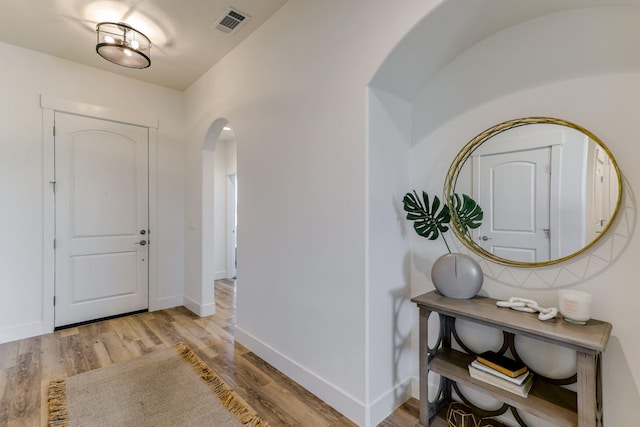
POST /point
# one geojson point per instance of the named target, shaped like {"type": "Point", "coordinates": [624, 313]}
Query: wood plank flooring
{"type": "Point", "coordinates": [27, 365]}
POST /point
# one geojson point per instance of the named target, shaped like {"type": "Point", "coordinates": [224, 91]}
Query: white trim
{"type": "Point", "coordinates": [48, 221]}
{"type": "Point", "coordinates": [367, 255]}
{"type": "Point", "coordinates": [154, 302]}
{"type": "Point", "coordinates": [136, 118]}
{"type": "Point", "coordinates": [342, 402]}
{"type": "Point", "coordinates": [231, 240]}
{"type": "Point", "coordinates": [201, 310]}
{"type": "Point", "coordinates": [25, 330]}
{"type": "Point", "coordinates": [168, 302]}
{"type": "Point", "coordinates": [415, 386]}
{"type": "Point", "coordinates": [388, 402]}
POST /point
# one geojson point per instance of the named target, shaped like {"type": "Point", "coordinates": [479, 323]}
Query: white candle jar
{"type": "Point", "coordinates": [575, 306]}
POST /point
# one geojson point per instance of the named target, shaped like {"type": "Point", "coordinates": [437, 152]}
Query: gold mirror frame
{"type": "Point", "coordinates": [466, 152]}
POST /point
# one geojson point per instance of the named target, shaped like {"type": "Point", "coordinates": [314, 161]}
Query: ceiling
{"type": "Point", "coordinates": [455, 26]}
{"type": "Point", "coordinates": [185, 41]}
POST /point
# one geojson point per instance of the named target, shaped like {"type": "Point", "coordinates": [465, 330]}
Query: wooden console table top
{"type": "Point", "coordinates": [592, 337]}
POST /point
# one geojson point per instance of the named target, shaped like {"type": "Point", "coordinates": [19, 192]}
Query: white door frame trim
{"type": "Point", "coordinates": [130, 117]}
{"type": "Point", "coordinates": [231, 238]}
{"type": "Point", "coordinates": [51, 105]}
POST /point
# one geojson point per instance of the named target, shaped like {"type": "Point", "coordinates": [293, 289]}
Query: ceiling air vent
{"type": "Point", "coordinates": [231, 20]}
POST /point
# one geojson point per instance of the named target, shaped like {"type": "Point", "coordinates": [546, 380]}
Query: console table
{"type": "Point", "coordinates": [547, 399]}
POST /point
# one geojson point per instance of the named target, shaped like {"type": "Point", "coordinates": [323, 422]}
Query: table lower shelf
{"type": "Point", "coordinates": [546, 401]}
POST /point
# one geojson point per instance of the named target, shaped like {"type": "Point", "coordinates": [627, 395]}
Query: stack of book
{"type": "Point", "coordinates": [502, 372]}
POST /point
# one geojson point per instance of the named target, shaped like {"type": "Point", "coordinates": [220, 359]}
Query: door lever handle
{"type": "Point", "coordinates": [141, 243]}
{"type": "Point", "coordinates": [484, 238]}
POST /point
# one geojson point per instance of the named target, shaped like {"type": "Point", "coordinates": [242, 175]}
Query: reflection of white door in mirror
{"type": "Point", "coordinates": [605, 191]}
{"type": "Point", "coordinates": [513, 190]}
{"type": "Point", "coordinates": [569, 195]}
{"type": "Point", "coordinates": [542, 186]}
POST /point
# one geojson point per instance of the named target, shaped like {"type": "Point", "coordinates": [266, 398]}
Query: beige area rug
{"type": "Point", "coordinates": [170, 387]}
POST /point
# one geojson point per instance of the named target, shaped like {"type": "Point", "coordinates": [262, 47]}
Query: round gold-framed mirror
{"type": "Point", "coordinates": [549, 189]}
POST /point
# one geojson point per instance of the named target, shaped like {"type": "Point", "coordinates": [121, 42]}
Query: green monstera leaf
{"type": "Point", "coordinates": [428, 219]}
{"type": "Point", "coordinates": [469, 214]}
{"type": "Point", "coordinates": [431, 220]}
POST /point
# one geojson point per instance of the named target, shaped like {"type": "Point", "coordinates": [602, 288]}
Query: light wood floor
{"type": "Point", "coordinates": [27, 365]}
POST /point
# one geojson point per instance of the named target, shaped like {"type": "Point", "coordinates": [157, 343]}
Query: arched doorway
{"type": "Point", "coordinates": [219, 201]}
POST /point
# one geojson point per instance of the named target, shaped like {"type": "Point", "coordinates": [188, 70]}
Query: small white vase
{"type": "Point", "coordinates": [457, 276]}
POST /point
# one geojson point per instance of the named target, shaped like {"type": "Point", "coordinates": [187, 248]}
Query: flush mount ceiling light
{"type": "Point", "coordinates": [123, 45]}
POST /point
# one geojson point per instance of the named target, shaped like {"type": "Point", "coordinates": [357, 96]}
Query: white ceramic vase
{"type": "Point", "coordinates": [457, 276]}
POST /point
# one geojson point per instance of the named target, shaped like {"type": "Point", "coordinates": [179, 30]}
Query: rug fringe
{"type": "Point", "coordinates": [58, 415]}
{"type": "Point", "coordinates": [227, 396]}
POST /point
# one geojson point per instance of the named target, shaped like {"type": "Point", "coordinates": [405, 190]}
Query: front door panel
{"type": "Point", "coordinates": [101, 218]}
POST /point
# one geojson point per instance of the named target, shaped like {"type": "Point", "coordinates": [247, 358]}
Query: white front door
{"type": "Point", "coordinates": [513, 191]}
{"type": "Point", "coordinates": [101, 173]}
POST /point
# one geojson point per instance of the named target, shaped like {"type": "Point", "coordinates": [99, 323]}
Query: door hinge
{"type": "Point", "coordinates": [54, 130]}
{"type": "Point", "coordinates": [53, 185]}
{"type": "Point", "coordinates": [54, 300]}
{"type": "Point", "coordinates": [54, 243]}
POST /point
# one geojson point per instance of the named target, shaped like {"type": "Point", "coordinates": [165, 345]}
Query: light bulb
{"type": "Point", "coordinates": [109, 39]}
{"type": "Point", "coordinates": [128, 52]}
{"type": "Point", "coordinates": [135, 44]}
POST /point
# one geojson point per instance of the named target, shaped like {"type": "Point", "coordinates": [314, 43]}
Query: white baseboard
{"type": "Point", "coordinates": [415, 387]}
{"type": "Point", "coordinates": [220, 275]}
{"type": "Point", "coordinates": [167, 302]}
{"type": "Point", "coordinates": [384, 405]}
{"type": "Point", "coordinates": [202, 310]}
{"type": "Point", "coordinates": [352, 408]}
{"type": "Point", "coordinates": [27, 330]}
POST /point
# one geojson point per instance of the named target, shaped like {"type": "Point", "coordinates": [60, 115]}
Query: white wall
{"type": "Point", "coordinates": [582, 66]}
{"type": "Point", "coordinates": [24, 76]}
{"type": "Point", "coordinates": [295, 93]}
{"type": "Point", "coordinates": [392, 364]}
